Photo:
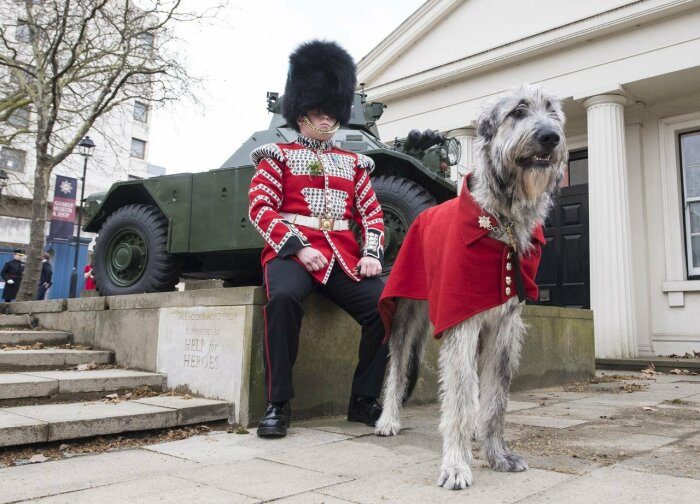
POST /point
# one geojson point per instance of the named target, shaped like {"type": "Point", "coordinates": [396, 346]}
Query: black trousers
{"type": "Point", "coordinates": [288, 284]}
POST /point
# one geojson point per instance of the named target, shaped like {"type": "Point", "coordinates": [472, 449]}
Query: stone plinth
{"type": "Point", "coordinates": [210, 341]}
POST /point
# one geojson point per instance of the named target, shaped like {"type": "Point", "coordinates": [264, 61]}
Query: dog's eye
{"type": "Point", "coordinates": [518, 112]}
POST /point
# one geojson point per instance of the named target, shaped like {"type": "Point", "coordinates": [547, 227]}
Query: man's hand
{"type": "Point", "coordinates": [369, 267]}
{"type": "Point", "coordinates": [311, 258]}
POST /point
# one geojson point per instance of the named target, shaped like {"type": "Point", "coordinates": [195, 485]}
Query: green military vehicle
{"type": "Point", "coordinates": [153, 232]}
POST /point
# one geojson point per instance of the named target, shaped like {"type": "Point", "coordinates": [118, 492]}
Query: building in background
{"type": "Point", "coordinates": [624, 237]}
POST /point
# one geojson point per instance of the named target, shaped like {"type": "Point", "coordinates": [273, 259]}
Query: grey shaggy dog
{"type": "Point", "coordinates": [520, 161]}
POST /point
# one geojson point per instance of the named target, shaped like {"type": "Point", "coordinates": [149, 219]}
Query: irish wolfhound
{"type": "Point", "coordinates": [520, 160]}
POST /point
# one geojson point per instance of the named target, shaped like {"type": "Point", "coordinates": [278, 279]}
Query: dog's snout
{"type": "Point", "coordinates": [548, 138]}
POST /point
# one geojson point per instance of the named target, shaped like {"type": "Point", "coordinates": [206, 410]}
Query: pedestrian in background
{"type": "Point", "coordinates": [12, 274]}
{"type": "Point", "coordinates": [45, 278]}
{"type": "Point", "coordinates": [89, 275]}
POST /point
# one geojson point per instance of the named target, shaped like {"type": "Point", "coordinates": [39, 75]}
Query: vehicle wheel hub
{"type": "Point", "coordinates": [126, 257]}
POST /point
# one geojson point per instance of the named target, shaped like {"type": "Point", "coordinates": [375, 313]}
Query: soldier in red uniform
{"type": "Point", "coordinates": [303, 197]}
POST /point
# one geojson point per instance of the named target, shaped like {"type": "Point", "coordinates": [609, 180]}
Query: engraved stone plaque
{"type": "Point", "coordinates": [202, 348]}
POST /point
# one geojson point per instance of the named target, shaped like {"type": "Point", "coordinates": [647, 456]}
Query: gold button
{"type": "Point", "coordinates": [509, 266]}
{"type": "Point", "coordinates": [509, 280]}
{"type": "Point", "coordinates": [509, 255]}
{"type": "Point", "coordinates": [507, 291]}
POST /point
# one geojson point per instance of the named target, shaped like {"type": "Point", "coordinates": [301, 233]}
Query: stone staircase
{"type": "Point", "coordinates": [51, 390]}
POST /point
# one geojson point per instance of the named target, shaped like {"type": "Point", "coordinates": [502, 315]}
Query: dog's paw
{"type": "Point", "coordinates": [508, 461]}
{"type": "Point", "coordinates": [387, 427]}
{"type": "Point", "coordinates": [455, 477]}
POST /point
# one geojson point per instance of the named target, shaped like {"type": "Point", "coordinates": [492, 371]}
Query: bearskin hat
{"type": "Point", "coordinates": [321, 75]}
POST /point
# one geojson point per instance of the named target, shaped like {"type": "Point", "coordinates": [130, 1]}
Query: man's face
{"type": "Point", "coordinates": [321, 120]}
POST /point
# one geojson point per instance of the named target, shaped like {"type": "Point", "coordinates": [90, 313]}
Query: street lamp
{"type": "Point", "coordinates": [3, 180]}
{"type": "Point", "coordinates": [85, 148]}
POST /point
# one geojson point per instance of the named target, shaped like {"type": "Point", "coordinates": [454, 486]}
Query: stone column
{"type": "Point", "coordinates": [466, 137]}
{"type": "Point", "coordinates": [612, 294]}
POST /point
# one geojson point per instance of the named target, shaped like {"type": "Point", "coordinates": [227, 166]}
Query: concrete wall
{"type": "Point", "coordinates": [558, 347]}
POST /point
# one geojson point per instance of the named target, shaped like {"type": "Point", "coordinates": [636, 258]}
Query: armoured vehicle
{"type": "Point", "coordinates": [153, 232]}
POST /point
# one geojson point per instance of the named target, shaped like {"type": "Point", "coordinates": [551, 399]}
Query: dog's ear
{"type": "Point", "coordinates": [484, 126]}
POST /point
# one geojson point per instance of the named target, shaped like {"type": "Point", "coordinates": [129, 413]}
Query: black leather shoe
{"type": "Point", "coordinates": [276, 420]}
{"type": "Point", "coordinates": [364, 409]}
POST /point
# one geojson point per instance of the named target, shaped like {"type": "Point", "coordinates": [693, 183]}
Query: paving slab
{"type": "Point", "coordinates": [150, 491]}
{"type": "Point", "coordinates": [77, 420]}
{"type": "Point", "coordinates": [550, 422]}
{"type": "Point", "coordinates": [352, 459]}
{"type": "Point", "coordinates": [678, 460]}
{"type": "Point", "coordinates": [15, 385]}
{"type": "Point", "coordinates": [217, 448]}
{"type": "Point", "coordinates": [261, 479]}
{"type": "Point", "coordinates": [51, 357]}
{"type": "Point", "coordinates": [31, 337]}
{"type": "Point", "coordinates": [549, 395]}
{"type": "Point", "coordinates": [520, 405]}
{"type": "Point", "coordinates": [572, 410]}
{"type": "Point", "coordinates": [338, 426]}
{"type": "Point", "coordinates": [656, 394]}
{"type": "Point", "coordinates": [190, 410]}
{"type": "Point", "coordinates": [627, 441]}
{"type": "Point", "coordinates": [16, 430]}
{"type": "Point", "coordinates": [100, 380]}
{"type": "Point", "coordinates": [621, 486]}
{"type": "Point", "coordinates": [417, 485]}
{"type": "Point", "coordinates": [312, 498]}
{"type": "Point", "coordinates": [78, 473]}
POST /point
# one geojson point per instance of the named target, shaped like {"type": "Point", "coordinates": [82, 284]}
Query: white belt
{"type": "Point", "coordinates": [321, 223]}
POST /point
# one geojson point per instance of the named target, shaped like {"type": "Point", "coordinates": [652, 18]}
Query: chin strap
{"type": "Point", "coordinates": [318, 130]}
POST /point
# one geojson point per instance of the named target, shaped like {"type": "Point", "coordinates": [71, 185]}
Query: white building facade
{"type": "Point", "coordinates": [624, 238]}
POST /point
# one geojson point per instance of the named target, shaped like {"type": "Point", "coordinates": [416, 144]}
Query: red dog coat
{"type": "Point", "coordinates": [449, 260]}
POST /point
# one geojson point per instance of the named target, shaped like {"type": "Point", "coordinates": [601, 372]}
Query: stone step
{"type": "Point", "coordinates": [9, 337]}
{"type": "Point", "coordinates": [53, 358]}
{"type": "Point", "coordinates": [17, 320]}
{"type": "Point", "coordinates": [54, 422]}
{"type": "Point", "coordinates": [54, 383]}
{"type": "Point", "coordinates": [664, 364]}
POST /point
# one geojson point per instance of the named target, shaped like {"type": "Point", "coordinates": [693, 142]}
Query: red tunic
{"type": "Point", "coordinates": [449, 260]}
{"type": "Point", "coordinates": [285, 181]}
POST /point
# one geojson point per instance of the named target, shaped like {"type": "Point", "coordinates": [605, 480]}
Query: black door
{"type": "Point", "coordinates": [563, 277]}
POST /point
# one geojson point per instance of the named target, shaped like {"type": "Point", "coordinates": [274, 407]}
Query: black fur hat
{"type": "Point", "coordinates": [321, 75]}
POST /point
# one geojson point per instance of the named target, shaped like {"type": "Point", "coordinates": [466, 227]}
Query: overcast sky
{"type": "Point", "coordinates": [244, 55]}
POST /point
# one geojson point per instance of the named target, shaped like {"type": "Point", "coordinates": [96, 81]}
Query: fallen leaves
{"type": "Point", "coordinates": [38, 458]}
{"type": "Point", "coordinates": [86, 367]}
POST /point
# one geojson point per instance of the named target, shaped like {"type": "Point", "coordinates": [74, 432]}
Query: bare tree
{"type": "Point", "coordinates": [72, 62]}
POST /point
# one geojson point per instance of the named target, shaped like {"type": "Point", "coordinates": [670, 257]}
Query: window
{"type": "Point", "coordinates": [138, 148]}
{"type": "Point", "coordinates": [576, 171]}
{"type": "Point", "coordinates": [140, 112]}
{"type": "Point", "coordinates": [690, 173]}
{"type": "Point", "coordinates": [23, 33]}
{"type": "Point", "coordinates": [19, 118]}
{"type": "Point", "coordinates": [12, 159]}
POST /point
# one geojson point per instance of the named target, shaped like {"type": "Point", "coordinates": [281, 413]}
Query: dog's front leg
{"type": "Point", "coordinates": [459, 402]}
{"type": "Point", "coordinates": [499, 360]}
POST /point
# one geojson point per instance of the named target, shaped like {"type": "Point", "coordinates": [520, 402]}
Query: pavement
{"type": "Point", "coordinates": [618, 440]}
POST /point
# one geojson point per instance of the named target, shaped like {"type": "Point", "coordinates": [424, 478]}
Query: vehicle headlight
{"type": "Point", "coordinates": [454, 151]}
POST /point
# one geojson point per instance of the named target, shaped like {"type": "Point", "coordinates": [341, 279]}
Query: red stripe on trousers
{"type": "Point", "coordinates": [267, 341]}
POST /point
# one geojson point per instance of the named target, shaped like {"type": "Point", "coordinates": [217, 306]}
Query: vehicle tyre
{"type": "Point", "coordinates": [131, 255]}
{"type": "Point", "coordinates": [402, 201]}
